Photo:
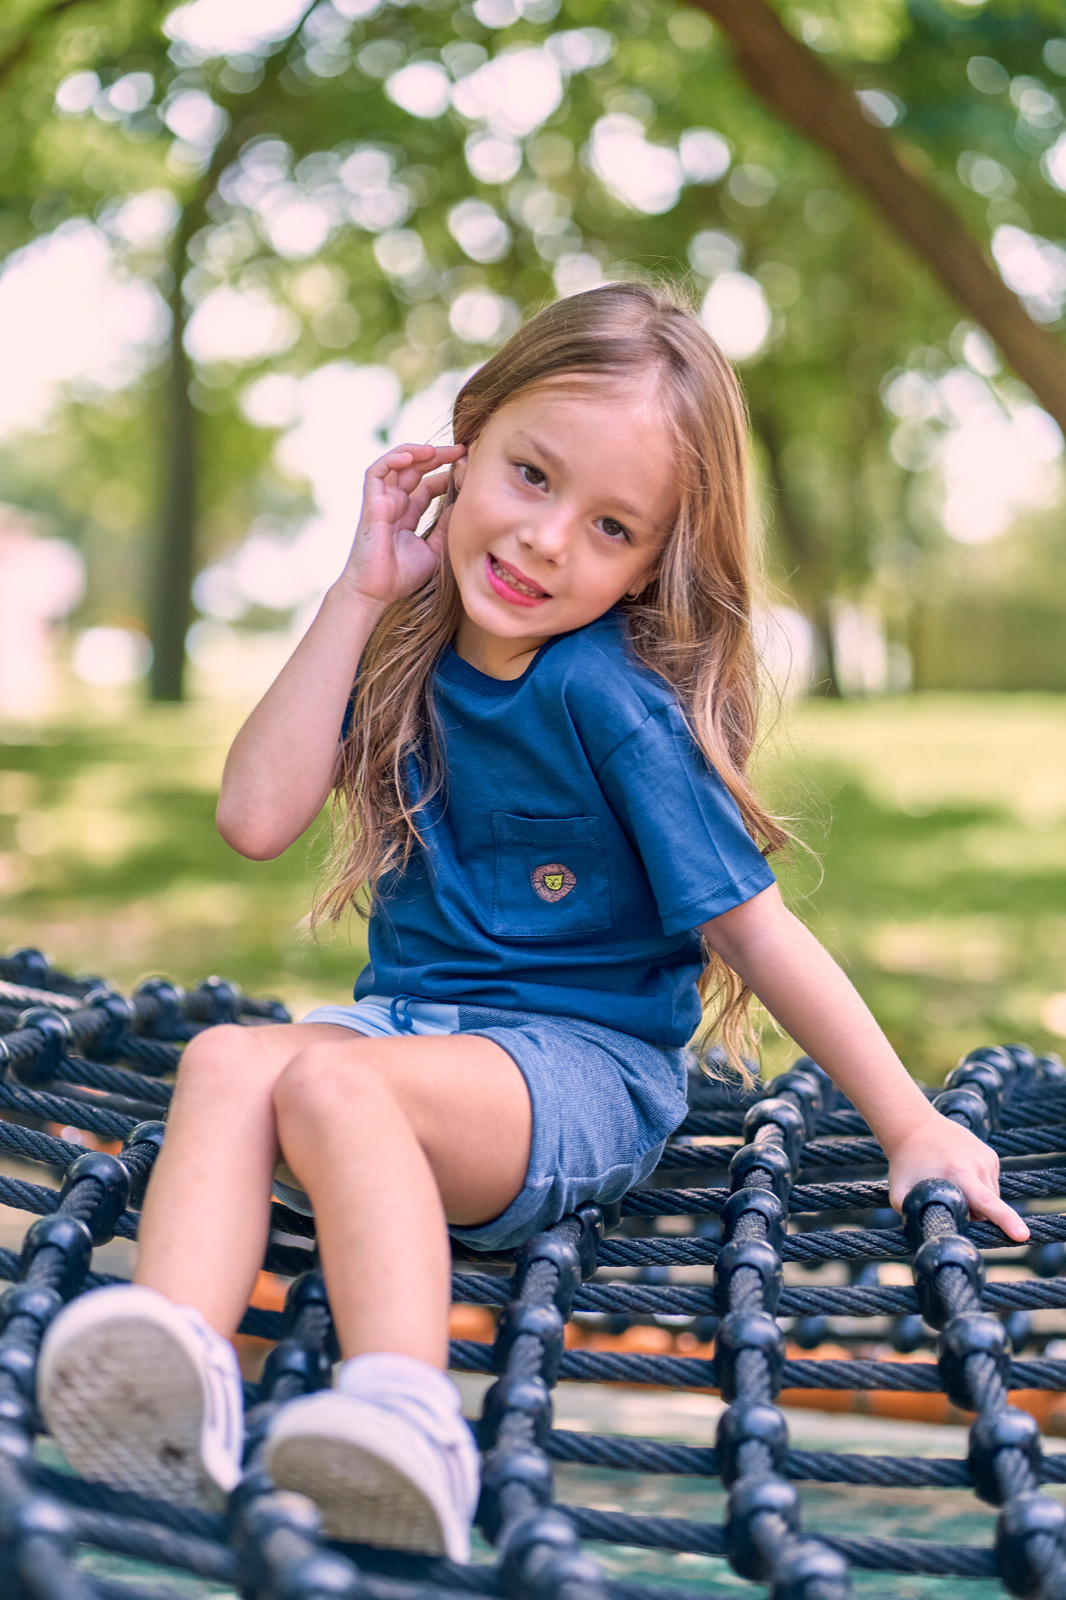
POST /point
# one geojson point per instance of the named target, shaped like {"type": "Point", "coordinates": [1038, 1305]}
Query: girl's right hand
{"type": "Point", "coordinates": [387, 560]}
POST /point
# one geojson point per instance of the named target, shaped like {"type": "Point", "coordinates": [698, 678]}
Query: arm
{"type": "Point", "coordinates": [803, 988]}
{"type": "Point", "coordinates": [283, 762]}
{"type": "Point", "coordinates": [281, 765]}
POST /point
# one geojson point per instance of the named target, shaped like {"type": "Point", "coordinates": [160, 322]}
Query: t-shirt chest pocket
{"type": "Point", "coordinates": [551, 877]}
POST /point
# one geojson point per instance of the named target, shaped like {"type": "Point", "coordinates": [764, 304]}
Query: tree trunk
{"type": "Point", "coordinates": [170, 603]}
{"type": "Point", "coordinates": [801, 89]}
{"type": "Point", "coordinates": [808, 558]}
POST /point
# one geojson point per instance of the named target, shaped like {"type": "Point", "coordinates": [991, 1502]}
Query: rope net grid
{"type": "Point", "coordinates": [766, 1209]}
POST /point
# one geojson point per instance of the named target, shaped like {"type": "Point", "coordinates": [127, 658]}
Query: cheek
{"type": "Point", "coordinates": [476, 517]}
{"type": "Point", "coordinates": [458, 524]}
{"type": "Point", "coordinates": [465, 548]}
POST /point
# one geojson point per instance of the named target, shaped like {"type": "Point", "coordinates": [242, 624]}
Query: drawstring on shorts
{"type": "Point", "coordinates": [399, 1014]}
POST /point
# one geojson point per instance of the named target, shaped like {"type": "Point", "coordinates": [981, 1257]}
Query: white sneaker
{"type": "Point", "coordinates": [143, 1394]}
{"type": "Point", "coordinates": [386, 1456]}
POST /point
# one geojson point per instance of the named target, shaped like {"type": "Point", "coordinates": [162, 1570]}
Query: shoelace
{"type": "Point", "coordinates": [418, 1412]}
{"type": "Point", "coordinates": [449, 1433]}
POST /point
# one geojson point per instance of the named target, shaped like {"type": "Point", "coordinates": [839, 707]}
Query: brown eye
{"type": "Point", "coordinates": [614, 530]}
{"type": "Point", "coordinates": [531, 474]}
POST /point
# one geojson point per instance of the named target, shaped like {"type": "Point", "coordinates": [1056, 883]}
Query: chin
{"type": "Point", "coordinates": [496, 616]}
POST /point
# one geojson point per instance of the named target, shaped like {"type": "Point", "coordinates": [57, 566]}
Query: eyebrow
{"type": "Point", "coordinates": [540, 448]}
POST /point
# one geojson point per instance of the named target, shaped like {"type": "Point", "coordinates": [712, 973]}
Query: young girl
{"type": "Point", "coordinates": [543, 762]}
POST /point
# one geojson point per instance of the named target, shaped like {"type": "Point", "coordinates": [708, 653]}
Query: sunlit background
{"type": "Point", "coordinates": [245, 245]}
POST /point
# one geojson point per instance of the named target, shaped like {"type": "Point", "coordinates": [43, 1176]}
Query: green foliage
{"type": "Point", "coordinates": [110, 850]}
{"type": "Point", "coordinates": [975, 93]}
{"type": "Point", "coordinates": [940, 825]}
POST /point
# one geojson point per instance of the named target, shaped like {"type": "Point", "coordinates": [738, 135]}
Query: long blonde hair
{"type": "Point", "coordinates": [691, 624]}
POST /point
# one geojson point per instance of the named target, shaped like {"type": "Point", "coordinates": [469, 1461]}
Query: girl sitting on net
{"type": "Point", "coordinates": [543, 765]}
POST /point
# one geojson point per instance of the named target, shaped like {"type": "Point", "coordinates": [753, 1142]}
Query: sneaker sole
{"type": "Point", "coordinates": [363, 1495]}
{"type": "Point", "coordinates": [124, 1400]}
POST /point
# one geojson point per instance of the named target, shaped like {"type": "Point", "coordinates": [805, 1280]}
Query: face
{"type": "Point", "coordinates": [565, 502]}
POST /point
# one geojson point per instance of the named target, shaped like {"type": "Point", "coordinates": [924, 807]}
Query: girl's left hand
{"type": "Point", "coordinates": [938, 1148]}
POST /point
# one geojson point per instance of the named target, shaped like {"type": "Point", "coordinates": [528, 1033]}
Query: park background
{"type": "Point", "coordinates": [244, 245]}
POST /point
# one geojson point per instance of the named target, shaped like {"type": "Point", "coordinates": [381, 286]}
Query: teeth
{"type": "Point", "coordinates": [513, 582]}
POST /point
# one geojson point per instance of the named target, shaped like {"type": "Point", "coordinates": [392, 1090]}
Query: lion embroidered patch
{"type": "Point", "coordinates": [553, 881]}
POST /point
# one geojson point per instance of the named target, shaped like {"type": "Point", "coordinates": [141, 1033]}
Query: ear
{"type": "Point", "coordinates": [648, 576]}
{"type": "Point", "coordinates": [459, 473]}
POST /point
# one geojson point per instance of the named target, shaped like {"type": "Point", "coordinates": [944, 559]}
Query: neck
{"type": "Point", "coordinates": [496, 658]}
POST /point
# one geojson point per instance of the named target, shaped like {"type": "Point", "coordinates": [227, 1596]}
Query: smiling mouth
{"type": "Point", "coordinates": [505, 576]}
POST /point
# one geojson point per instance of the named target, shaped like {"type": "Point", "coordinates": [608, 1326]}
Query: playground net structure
{"type": "Point", "coordinates": [747, 1184]}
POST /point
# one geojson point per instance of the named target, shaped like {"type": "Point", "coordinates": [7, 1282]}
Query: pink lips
{"type": "Point", "coordinates": [505, 591]}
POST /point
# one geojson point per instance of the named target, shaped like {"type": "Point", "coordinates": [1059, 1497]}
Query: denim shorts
{"type": "Point", "coordinates": [604, 1103]}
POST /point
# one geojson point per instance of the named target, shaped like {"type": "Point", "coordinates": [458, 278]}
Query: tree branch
{"type": "Point", "coordinates": [12, 59]}
{"type": "Point", "coordinates": [803, 91]}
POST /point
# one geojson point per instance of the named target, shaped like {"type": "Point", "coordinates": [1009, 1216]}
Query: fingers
{"type": "Point", "coordinates": [413, 461]}
{"type": "Point", "coordinates": [394, 461]}
{"type": "Point", "coordinates": [430, 488]}
{"type": "Point", "coordinates": [413, 481]}
{"type": "Point", "coordinates": [983, 1202]}
{"type": "Point", "coordinates": [440, 527]}
{"type": "Point", "coordinates": [955, 1154]}
{"type": "Point", "coordinates": [419, 499]}
{"type": "Point", "coordinates": [987, 1204]}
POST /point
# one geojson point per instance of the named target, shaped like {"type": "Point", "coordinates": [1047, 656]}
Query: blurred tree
{"type": "Point", "coordinates": [799, 87]}
{"type": "Point", "coordinates": [397, 185]}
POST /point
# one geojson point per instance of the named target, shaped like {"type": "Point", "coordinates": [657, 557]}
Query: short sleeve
{"type": "Point", "coordinates": [683, 823]}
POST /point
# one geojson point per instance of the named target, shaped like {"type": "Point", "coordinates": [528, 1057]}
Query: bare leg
{"type": "Point", "coordinates": [206, 1213]}
{"type": "Point", "coordinates": [420, 1132]}
{"type": "Point", "coordinates": [388, 1136]}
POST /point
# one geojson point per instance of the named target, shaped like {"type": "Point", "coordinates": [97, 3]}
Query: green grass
{"type": "Point", "coordinates": [939, 823]}
{"type": "Point", "coordinates": [112, 862]}
{"type": "Point", "coordinates": [940, 829]}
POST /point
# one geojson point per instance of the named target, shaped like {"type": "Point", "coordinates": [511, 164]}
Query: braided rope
{"type": "Point", "coordinates": [844, 1244]}
{"type": "Point", "coordinates": [823, 1196]}
{"type": "Point", "coordinates": [853, 1153]}
{"type": "Point", "coordinates": [474, 1288]}
{"type": "Point", "coordinates": [66, 1073]}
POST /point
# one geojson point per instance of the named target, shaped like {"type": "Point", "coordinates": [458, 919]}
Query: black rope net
{"type": "Point", "coordinates": [747, 1185]}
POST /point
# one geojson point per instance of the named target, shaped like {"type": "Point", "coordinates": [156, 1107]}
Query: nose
{"type": "Point", "coordinates": [548, 535]}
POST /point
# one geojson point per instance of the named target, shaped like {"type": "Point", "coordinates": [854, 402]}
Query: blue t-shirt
{"type": "Point", "coordinates": [580, 840]}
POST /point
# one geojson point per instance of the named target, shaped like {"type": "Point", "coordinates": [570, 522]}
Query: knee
{"type": "Point", "coordinates": [325, 1082]}
{"type": "Point", "coordinates": [218, 1059]}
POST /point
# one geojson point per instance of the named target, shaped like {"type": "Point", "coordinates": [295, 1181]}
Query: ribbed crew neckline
{"type": "Point", "coordinates": [460, 672]}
